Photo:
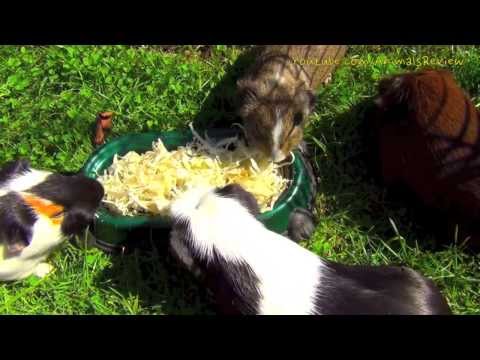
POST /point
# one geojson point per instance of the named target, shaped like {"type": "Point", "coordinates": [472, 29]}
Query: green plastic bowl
{"type": "Point", "coordinates": [114, 229]}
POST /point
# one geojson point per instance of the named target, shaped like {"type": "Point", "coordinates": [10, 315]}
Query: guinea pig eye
{"type": "Point", "coordinates": [57, 215]}
{"type": "Point", "coordinates": [298, 118]}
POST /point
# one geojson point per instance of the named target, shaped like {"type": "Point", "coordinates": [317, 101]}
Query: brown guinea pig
{"type": "Point", "coordinates": [276, 95]}
{"type": "Point", "coordinates": [428, 140]}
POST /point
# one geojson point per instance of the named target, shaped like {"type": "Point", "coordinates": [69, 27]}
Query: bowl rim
{"type": "Point", "coordinates": [103, 215]}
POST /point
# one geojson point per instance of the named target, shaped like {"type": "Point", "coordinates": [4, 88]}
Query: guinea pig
{"type": "Point", "coordinates": [276, 95]}
{"type": "Point", "coordinates": [254, 271]}
{"type": "Point", "coordinates": [427, 134]}
{"type": "Point", "coordinates": [38, 210]}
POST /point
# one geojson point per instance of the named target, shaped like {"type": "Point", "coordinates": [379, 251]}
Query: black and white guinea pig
{"type": "Point", "coordinates": [38, 210]}
{"type": "Point", "coordinates": [252, 270]}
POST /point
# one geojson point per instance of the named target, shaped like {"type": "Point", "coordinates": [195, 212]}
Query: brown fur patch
{"type": "Point", "coordinates": [428, 133]}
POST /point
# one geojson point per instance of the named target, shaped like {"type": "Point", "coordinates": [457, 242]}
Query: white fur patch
{"type": "Point", "coordinates": [26, 180]}
{"type": "Point", "coordinates": [277, 154]}
{"type": "Point", "coordinates": [279, 78]}
{"type": "Point", "coordinates": [43, 269]}
{"type": "Point", "coordinates": [46, 236]}
{"type": "Point", "coordinates": [288, 273]}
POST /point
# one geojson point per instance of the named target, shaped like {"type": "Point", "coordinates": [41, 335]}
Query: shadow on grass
{"type": "Point", "coordinates": [148, 271]}
{"type": "Point", "coordinates": [350, 183]}
{"type": "Point", "coordinates": [219, 109]}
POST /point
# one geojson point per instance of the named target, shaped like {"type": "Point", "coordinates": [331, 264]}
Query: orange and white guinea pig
{"type": "Point", "coordinates": [38, 210]}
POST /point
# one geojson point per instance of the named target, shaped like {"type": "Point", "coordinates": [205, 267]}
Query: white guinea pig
{"type": "Point", "coordinates": [38, 210]}
{"type": "Point", "coordinates": [252, 270]}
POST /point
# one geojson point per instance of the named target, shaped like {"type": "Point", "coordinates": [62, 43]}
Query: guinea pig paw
{"type": "Point", "coordinates": [43, 269]}
{"type": "Point", "coordinates": [301, 225]}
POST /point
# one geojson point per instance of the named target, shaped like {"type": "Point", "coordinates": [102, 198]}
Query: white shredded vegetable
{"type": "Point", "coordinates": [3, 251]}
{"type": "Point", "coordinates": [149, 182]}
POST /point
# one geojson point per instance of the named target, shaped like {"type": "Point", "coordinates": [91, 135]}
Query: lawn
{"type": "Point", "coordinates": [49, 97]}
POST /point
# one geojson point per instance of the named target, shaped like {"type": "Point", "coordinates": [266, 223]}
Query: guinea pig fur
{"type": "Point", "coordinates": [276, 95]}
{"type": "Point", "coordinates": [252, 270]}
{"type": "Point", "coordinates": [38, 210]}
{"type": "Point", "coordinates": [428, 141]}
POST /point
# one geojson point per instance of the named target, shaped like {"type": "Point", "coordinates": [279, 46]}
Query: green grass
{"type": "Point", "coordinates": [49, 97]}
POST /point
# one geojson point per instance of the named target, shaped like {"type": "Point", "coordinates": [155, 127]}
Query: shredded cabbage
{"type": "Point", "coordinates": [3, 251]}
{"type": "Point", "coordinates": [149, 182]}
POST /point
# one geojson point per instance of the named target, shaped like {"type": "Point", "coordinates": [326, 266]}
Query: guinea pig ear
{"type": "Point", "coordinates": [247, 96]}
{"type": "Point", "coordinates": [75, 221]}
{"type": "Point", "coordinates": [397, 91]}
{"type": "Point", "coordinates": [12, 168]}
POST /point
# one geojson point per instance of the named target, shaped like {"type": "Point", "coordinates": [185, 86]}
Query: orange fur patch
{"type": "Point", "coordinates": [45, 208]}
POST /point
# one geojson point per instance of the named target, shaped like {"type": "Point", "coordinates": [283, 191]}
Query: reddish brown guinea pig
{"type": "Point", "coordinates": [427, 132]}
